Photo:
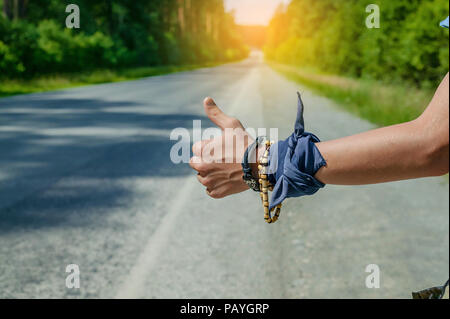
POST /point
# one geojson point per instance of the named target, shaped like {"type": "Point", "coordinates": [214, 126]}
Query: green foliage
{"type": "Point", "coordinates": [331, 37]}
{"type": "Point", "coordinates": [170, 45]}
{"type": "Point", "coordinates": [8, 61]}
{"type": "Point", "coordinates": [60, 81]}
{"type": "Point", "coordinates": [116, 34]}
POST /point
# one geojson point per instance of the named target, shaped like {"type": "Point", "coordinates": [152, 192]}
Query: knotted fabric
{"type": "Point", "coordinates": [294, 162]}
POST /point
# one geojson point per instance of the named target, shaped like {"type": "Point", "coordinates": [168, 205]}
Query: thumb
{"type": "Point", "coordinates": [218, 117]}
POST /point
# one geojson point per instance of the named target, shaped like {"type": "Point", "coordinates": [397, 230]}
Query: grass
{"type": "Point", "coordinates": [376, 102]}
{"type": "Point", "coordinates": [10, 87]}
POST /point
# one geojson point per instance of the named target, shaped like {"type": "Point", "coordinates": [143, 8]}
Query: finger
{"type": "Point", "coordinates": [198, 147]}
{"type": "Point", "coordinates": [201, 174]}
{"type": "Point", "coordinates": [212, 181]}
{"type": "Point", "coordinates": [197, 164]}
{"type": "Point", "coordinates": [216, 194]}
{"type": "Point", "coordinates": [204, 180]}
{"type": "Point", "coordinates": [219, 118]}
{"type": "Point", "coordinates": [219, 191]}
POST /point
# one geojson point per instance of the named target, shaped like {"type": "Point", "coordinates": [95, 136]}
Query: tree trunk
{"type": "Point", "coordinates": [23, 4]}
{"type": "Point", "coordinates": [181, 19]}
{"type": "Point", "coordinates": [7, 9]}
{"type": "Point", "coordinates": [16, 9]}
{"type": "Point", "coordinates": [188, 16]}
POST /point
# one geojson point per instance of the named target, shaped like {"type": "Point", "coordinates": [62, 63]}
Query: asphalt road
{"type": "Point", "coordinates": [86, 179]}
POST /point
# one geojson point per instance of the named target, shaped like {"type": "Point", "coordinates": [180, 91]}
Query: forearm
{"type": "Point", "coordinates": [410, 150]}
{"type": "Point", "coordinates": [382, 155]}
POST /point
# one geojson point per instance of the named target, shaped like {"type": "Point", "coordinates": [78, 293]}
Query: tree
{"type": "Point", "coordinates": [15, 9]}
{"type": "Point", "coordinates": [331, 36]}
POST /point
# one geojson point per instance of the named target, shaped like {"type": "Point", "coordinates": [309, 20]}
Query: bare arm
{"type": "Point", "coordinates": [405, 151]}
{"type": "Point", "coordinates": [419, 148]}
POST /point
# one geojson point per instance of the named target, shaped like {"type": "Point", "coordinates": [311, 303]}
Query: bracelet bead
{"type": "Point", "coordinates": [265, 186]}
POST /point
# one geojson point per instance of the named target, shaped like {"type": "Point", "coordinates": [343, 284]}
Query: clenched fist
{"type": "Point", "coordinates": [218, 161]}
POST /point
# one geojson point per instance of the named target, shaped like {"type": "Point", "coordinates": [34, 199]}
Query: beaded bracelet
{"type": "Point", "coordinates": [265, 186]}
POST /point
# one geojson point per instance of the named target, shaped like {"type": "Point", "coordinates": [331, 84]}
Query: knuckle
{"type": "Point", "coordinates": [193, 162]}
{"type": "Point", "coordinates": [201, 167]}
{"type": "Point", "coordinates": [216, 195]}
{"type": "Point", "coordinates": [197, 148]}
{"type": "Point", "coordinates": [234, 122]}
{"type": "Point", "coordinates": [207, 181]}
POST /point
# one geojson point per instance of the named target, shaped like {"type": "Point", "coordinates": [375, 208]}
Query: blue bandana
{"type": "Point", "coordinates": [445, 23]}
{"type": "Point", "coordinates": [294, 162]}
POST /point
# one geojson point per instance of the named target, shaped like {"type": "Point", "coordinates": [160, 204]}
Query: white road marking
{"type": "Point", "coordinates": [133, 285]}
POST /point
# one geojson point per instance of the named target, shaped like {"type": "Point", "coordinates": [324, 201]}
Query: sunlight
{"type": "Point", "coordinates": [253, 12]}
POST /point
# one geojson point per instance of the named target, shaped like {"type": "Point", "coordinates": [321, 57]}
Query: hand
{"type": "Point", "coordinates": [218, 161]}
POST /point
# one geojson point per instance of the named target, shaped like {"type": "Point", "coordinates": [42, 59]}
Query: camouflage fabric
{"type": "Point", "coordinates": [433, 293]}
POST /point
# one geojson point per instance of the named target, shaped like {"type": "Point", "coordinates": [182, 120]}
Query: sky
{"type": "Point", "coordinates": [253, 11]}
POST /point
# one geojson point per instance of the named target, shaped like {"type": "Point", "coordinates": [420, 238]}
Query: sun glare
{"type": "Point", "coordinates": [253, 12]}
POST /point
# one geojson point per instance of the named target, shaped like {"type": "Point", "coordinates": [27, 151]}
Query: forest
{"type": "Point", "coordinates": [34, 39]}
{"type": "Point", "coordinates": [331, 36]}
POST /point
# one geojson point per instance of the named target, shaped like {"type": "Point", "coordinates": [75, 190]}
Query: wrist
{"type": "Point", "coordinates": [259, 151]}
{"type": "Point", "coordinates": [250, 164]}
